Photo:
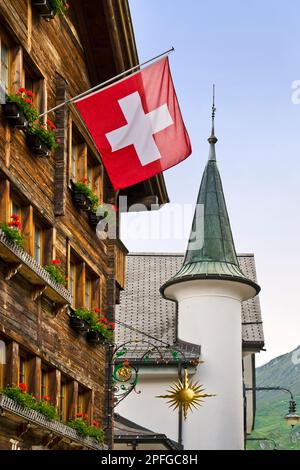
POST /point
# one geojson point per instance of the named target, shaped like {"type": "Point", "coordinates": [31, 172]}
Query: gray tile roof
{"type": "Point", "coordinates": [142, 306]}
{"type": "Point", "coordinates": [127, 431]}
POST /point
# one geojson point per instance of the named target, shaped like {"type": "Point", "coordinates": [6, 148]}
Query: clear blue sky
{"type": "Point", "coordinates": [251, 51]}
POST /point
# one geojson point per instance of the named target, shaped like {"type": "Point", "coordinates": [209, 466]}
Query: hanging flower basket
{"type": "Point", "coordinates": [37, 146]}
{"type": "Point", "coordinates": [14, 115]}
{"type": "Point", "coordinates": [94, 219]}
{"type": "Point", "coordinates": [93, 337]}
{"type": "Point", "coordinates": [49, 8]}
{"type": "Point", "coordinates": [79, 198]}
{"type": "Point", "coordinates": [44, 8]}
{"type": "Point", "coordinates": [78, 324]}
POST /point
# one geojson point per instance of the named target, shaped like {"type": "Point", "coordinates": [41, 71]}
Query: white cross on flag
{"type": "Point", "coordinates": [137, 126]}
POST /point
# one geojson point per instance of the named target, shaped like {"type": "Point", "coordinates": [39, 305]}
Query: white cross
{"type": "Point", "coordinates": [140, 128]}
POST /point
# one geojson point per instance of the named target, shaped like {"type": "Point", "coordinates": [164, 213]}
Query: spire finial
{"type": "Point", "coordinates": [212, 139]}
{"type": "Point", "coordinates": [213, 109]}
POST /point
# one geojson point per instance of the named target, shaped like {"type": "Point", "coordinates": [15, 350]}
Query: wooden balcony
{"type": "Point", "coordinates": [18, 261]}
{"type": "Point", "coordinates": [54, 432]}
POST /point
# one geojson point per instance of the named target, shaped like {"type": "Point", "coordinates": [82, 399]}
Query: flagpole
{"type": "Point", "coordinates": [87, 92]}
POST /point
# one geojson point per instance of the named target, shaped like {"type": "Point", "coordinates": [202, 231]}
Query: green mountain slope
{"type": "Point", "coordinates": [272, 406]}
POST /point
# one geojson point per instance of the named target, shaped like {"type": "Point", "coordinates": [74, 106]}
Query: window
{"type": "Point", "coordinates": [16, 208]}
{"type": "Point", "coordinates": [90, 181]}
{"type": "Point", "coordinates": [94, 174]}
{"type": "Point", "coordinates": [77, 156]}
{"type": "Point", "coordinates": [63, 409]}
{"type": "Point", "coordinates": [22, 376]}
{"type": "Point", "coordinates": [35, 83]}
{"type": "Point", "coordinates": [72, 283]}
{"type": "Point", "coordinates": [83, 402]}
{"type": "Point", "coordinates": [2, 363]}
{"type": "Point", "coordinates": [88, 293]}
{"type": "Point", "coordinates": [44, 382]}
{"type": "Point", "coordinates": [74, 160]}
{"type": "Point", "coordinates": [83, 163]}
{"type": "Point", "coordinates": [38, 244]}
{"type": "Point", "coordinates": [84, 283]}
{"type": "Point", "coordinates": [80, 403]}
{"type": "Point", "coordinates": [4, 66]}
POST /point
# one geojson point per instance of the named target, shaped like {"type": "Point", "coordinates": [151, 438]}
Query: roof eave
{"type": "Point", "coordinates": [206, 277]}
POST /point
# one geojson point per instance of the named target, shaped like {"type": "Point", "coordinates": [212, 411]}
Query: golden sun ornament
{"type": "Point", "coordinates": [185, 395]}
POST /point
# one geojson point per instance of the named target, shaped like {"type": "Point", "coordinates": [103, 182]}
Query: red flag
{"type": "Point", "coordinates": [137, 125]}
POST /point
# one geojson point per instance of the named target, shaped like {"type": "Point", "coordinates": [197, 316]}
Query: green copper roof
{"type": "Point", "coordinates": [211, 252]}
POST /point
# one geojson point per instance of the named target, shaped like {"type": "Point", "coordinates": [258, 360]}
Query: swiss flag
{"type": "Point", "coordinates": [137, 125]}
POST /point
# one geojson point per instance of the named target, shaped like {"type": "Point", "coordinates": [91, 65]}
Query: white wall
{"type": "Point", "coordinates": [148, 411]}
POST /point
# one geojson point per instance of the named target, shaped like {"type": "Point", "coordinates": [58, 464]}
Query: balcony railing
{"type": "Point", "coordinates": [17, 260]}
{"type": "Point", "coordinates": [9, 405]}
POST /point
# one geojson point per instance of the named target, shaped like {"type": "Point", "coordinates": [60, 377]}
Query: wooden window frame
{"type": "Point", "coordinates": [23, 357]}
{"type": "Point", "coordinates": [63, 406]}
{"type": "Point", "coordinates": [85, 159]}
{"type": "Point", "coordinates": [3, 365]}
{"type": "Point", "coordinates": [5, 41]}
{"type": "Point", "coordinates": [38, 88]}
{"type": "Point", "coordinates": [38, 229]}
{"type": "Point", "coordinates": [84, 399]}
{"type": "Point", "coordinates": [72, 284]}
{"type": "Point", "coordinates": [83, 274]}
{"type": "Point", "coordinates": [88, 292]}
{"type": "Point", "coordinates": [44, 386]}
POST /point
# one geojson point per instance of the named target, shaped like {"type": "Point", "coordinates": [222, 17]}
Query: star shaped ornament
{"type": "Point", "coordinates": [185, 395]}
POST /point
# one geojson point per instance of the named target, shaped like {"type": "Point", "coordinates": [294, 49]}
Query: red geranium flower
{"type": "Point", "coordinates": [22, 90]}
{"type": "Point", "coordinates": [27, 100]}
{"type": "Point", "coordinates": [46, 397]}
{"type": "Point", "coordinates": [103, 319]}
{"type": "Point", "coordinates": [85, 415]}
{"type": "Point", "coordinates": [23, 387]}
{"type": "Point", "coordinates": [56, 261]}
{"type": "Point", "coordinates": [78, 415]}
{"type": "Point", "coordinates": [50, 124]}
{"type": "Point", "coordinates": [97, 310]}
{"type": "Point", "coordinates": [28, 92]}
{"type": "Point", "coordinates": [96, 423]}
{"type": "Point", "coordinates": [84, 180]}
{"type": "Point", "coordinates": [112, 325]}
{"type": "Point", "coordinates": [15, 216]}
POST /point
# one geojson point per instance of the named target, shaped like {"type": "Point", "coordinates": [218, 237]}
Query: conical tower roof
{"type": "Point", "coordinates": [211, 252]}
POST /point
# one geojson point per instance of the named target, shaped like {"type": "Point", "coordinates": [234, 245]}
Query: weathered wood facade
{"type": "Point", "coordinates": [58, 59]}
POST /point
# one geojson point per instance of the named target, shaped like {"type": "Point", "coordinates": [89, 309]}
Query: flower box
{"type": "Point", "coordinates": [37, 146]}
{"type": "Point", "coordinates": [44, 8]}
{"type": "Point", "coordinates": [94, 338]}
{"type": "Point", "coordinates": [57, 428]}
{"type": "Point", "coordinates": [78, 324]}
{"type": "Point", "coordinates": [94, 219]}
{"type": "Point", "coordinates": [79, 199]}
{"type": "Point", "coordinates": [13, 114]}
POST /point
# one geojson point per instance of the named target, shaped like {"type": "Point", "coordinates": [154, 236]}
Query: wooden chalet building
{"type": "Point", "coordinates": [57, 57]}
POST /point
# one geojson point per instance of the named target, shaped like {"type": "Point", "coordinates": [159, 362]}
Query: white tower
{"type": "Point", "coordinates": [209, 289]}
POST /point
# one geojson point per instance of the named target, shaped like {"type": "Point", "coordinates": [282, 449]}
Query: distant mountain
{"type": "Point", "coordinates": [272, 406]}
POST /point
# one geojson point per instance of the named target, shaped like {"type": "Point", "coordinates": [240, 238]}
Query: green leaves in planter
{"type": "Point", "coordinates": [83, 188]}
{"type": "Point", "coordinates": [46, 136]}
{"type": "Point", "coordinates": [84, 429]}
{"type": "Point", "coordinates": [13, 234]}
{"type": "Point", "coordinates": [56, 272]}
{"type": "Point", "coordinates": [59, 6]}
{"type": "Point", "coordinates": [27, 400]}
{"type": "Point", "coordinates": [23, 99]}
